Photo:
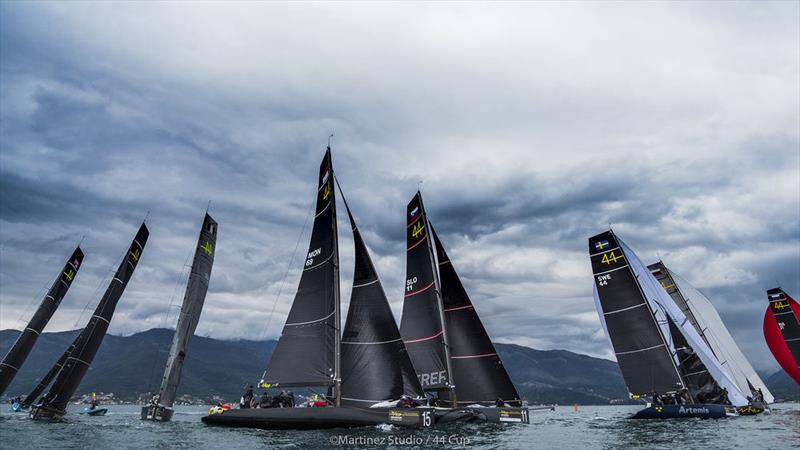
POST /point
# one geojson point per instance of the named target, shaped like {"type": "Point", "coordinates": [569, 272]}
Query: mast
{"type": "Point", "coordinates": [88, 342]}
{"type": "Point", "coordinates": [337, 302]}
{"type": "Point", "coordinates": [306, 353]}
{"type": "Point", "coordinates": [438, 287]}
{"type": "Point", "coordinates": [191, 308]}
{"type": "Point", "coordinates": [22, 347]}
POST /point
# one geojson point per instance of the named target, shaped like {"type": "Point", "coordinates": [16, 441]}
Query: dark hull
{"type": "Point", "coordinates": [157, 413]}
{"type": "Point", "coordinates": [690, 411]}
{"type": "Point", "coordinates": [41, 412]}
{"type": "Point", "coordinates": [347, 417]}
{"type": "Point", "coordinates": [298, 418]}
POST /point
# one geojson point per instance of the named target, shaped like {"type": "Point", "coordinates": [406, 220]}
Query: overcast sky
{"type": "Point", "coordinates": [532, 127]}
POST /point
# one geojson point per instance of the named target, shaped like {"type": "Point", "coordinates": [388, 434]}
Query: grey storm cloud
{"type": "Point", "coordinates": [530, 127]}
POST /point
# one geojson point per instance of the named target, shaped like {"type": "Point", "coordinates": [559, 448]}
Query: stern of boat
{"type": "Point", "coordinates": [41, 412]}
{"type": "Point", "coordinates": [158, 413]}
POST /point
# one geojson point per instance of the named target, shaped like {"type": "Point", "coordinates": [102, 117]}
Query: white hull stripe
{"type": "Point", "coordinates": [640, 350]}
{"type": "Point", "coordinates": [624, 309]}
{"type": "Point", "coordinates": [372, 343]}
{"type": "Point", "coordinates": [310, 321]}
{"type": "Point", "coordinates": [365, 401]}
{"type": "Point", "coordinates": [365, 284]}
{"type": "Point", "coordinates": [612, 270]}
{"type": "Point", "coordinates": [485, 355]}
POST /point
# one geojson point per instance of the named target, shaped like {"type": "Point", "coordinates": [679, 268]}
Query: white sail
{"type": "Point", "coordinates": [661, 302]}
{"type": "Point", "coordinates": [720, 339]}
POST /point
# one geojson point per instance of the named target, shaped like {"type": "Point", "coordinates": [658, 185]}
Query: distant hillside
{"type": "Point", "coordinates": [134, 364]}
{"type": "Point", "coordinates": [782, 386]}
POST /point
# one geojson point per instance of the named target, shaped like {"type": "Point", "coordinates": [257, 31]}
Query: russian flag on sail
{"type": "Point", "coordinates": [325, 177]}
{"type": "Point", "coordinates": [776, 296]}
{"type": "Point", "coordinates": [415, 211]}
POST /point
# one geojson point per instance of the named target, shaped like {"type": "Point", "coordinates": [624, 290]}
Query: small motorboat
{"type": "Point", "coordinates": [94, 411]}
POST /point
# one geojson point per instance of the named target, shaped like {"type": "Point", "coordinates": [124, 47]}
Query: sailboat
{"type": "Point", "coordinates": [782, 331]}
{"type": "Point", "coordinates": [451, 351]}
{"type": "Point", "coordinates": [27, 339]}
{"type": "Point", "coordinates": [701, 313]}
{"type": "Point", "coordinates": [160, 408]}
{"type": "Point", "coordinates": [364, 366]}
{"type": "Point", "coordinates": [659, 352]}
{"type": "Point", "coordinates": [73, 364]}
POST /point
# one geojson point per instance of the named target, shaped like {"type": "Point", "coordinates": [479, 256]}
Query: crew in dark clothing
{"type": "Point", "coordinates": [759, 396]}
{"type": "Point", "coordinates": [247, 397]}
{"type": "Point", "coordinates": [433, 401]}
{"type": "Point", "coordinates": [725, 399]}
{"type": "Point", "coordinates": [265, 401]}
{"type": "Point", "coordinates": [499, 402]}
{"type": "Point", "coordinates": [656, 400]}
{"type": "Point", "coordinates": [406, 402]}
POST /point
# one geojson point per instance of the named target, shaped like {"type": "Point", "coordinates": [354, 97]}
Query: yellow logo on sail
{"type": "Point", "coordinates": [781, 305]}
{"type": "Point", "coordinates": [135, 254]}
{"type": "Point", "coordinates": [208, 248]}
{"type": "Point", "coordinates": [70, 275]}
{"type": "Point", "coordinates": [417, 229]}
{"type": "Point", "coordinates": [611, 257]}
{"type": "Point", "coordinates": [327, 192]}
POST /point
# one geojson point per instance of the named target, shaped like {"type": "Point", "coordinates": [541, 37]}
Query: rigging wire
{"type": "Point", "coordinates": [288, 268]}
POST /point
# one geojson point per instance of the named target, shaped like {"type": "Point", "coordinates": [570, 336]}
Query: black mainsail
{"type": "Point", "coordinates": [83, 350]}
{"type": "Point", "coordinates": [196, 289]}
{"type": "Point", "coordinates": [375, 363]}
{"type": "Point", "coordinates": [701, 385]}
{"type": "Point", "coordinates": [307, 353]}
{"type": "Point", "coordinates": [31, 398]}
{"type": "Point", "coordinates": [24, 344]}
{"type": "Point", "coordinates": [643, 354]}
{"type": "Point", "coordinates": [474, 360]}
{"type": "Point", "coordinates": [422, 323]}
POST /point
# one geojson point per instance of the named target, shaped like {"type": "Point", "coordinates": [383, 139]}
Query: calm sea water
{"type": "Point", "coordinates": [590, 427]}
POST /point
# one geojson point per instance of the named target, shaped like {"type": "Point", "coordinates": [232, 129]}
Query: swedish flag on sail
{"type": "Point", "coordinates": [600, 245]}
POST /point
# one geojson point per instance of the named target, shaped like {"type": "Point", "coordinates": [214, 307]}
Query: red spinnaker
{"type": "Point", "coordinates": [777, 344]}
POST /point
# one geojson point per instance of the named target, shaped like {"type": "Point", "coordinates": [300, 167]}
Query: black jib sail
{"type": "Point", "coordinates": [787, 320]}
{"type": "Point", "coordinates": [31, 398]}
{"type": "Point", "coordinates": [482, 379]}
{"type": "Point", "coordinates": [22, 347]}
{"type": "Point", "coordinates": [701, 385]}
{"type": "Point", "coordinates": [375, 364]}
{"type": "Point", "coordinates": [643, 354]}
{"type": "Point", "coordinates": [54, 404]}
{"type": "Point", "coordinates": [196, 289]}
{"type": "Point", "coordinates": [307, 351]}
{"type": "Point", "coordinates": [422, 322]}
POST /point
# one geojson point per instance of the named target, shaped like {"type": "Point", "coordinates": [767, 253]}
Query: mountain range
{"type": "Point", "coordinates": [133, 365]}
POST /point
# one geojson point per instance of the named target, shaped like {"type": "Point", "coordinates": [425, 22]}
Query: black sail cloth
{"type": "Point", "coordinates": [375, 364]}
{"type": "Point", "coordinates": [196, 289]}
{"type": "Point", "coordinates": [306, 351]}
{"type": "Point", "coordinates": [24, 344]}
{"type": "Point", "coordinates": [421, 323]}
{"type": "Point", "coordinates": [48, 378]}
{"type": "Point", "coordinates": [482, 379]}
{"type": "Point", "coordinates": [642, 351]}
{"type": "Point", "coordinates": [701, 385]}
{"type": "Point", "coordinates": [788, 322]}
{"type": "Point", "coordinates": [87, 343]}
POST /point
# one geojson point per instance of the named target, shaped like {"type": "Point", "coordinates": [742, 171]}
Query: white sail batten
{"type": "Point", "coordinates": [661, 302]}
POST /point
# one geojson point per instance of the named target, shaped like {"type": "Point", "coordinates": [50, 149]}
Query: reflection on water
{"type": "Point", "coordinates": [589, 427]}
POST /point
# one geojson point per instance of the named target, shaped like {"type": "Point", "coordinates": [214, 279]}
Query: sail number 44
{"type": "Point", "coordinates": [611, 257]}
